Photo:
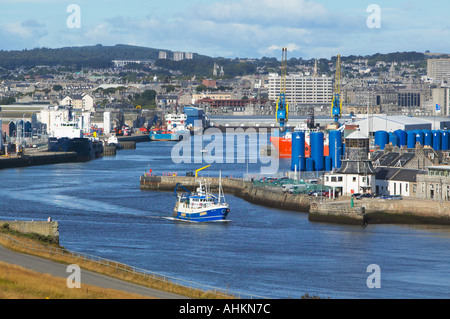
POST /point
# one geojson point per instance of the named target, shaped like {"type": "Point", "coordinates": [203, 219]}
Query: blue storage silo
{"type": "Point", "coordinates": [328, 164]}
{"type": "Point", "coordinates": [437, 140]}
{"type": "Point", "coordinates": [445, 141]}
{"type": "Point", "coordinates": [303, 164]}
{"type": "Point", "coordinates": [420, 137]}
{"type": "Point", "coordinates": [402, 137]}
{"type": "Point", "coordinates": [298, 150]}
{"type": "Point", "coordinates": [428, 138]}
{"type": "Point", "coordinates": [393, 139]}
{"type": "Point", "coordinates": [335, 148]}
{"type": "Point", "coordinates": [317, 154]}
{"type": "Point", "coordinates": [12, 129]}
{"type": "Point", "coordinates": [309, 164]}
{"type": "Point", "coordinates": [381, 139]}
{"type": "Point", "coordinates": [411, 139]}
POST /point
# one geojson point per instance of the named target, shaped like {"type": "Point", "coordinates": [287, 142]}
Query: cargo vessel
{"type": "Point", "coordinates": [85, 147]}
{"type": "Point", "coordinates": [201, 206]}
{"type": "Point", "coordinates": [174, 129]}
{"type": "Point", "coordinates": [68, 137]}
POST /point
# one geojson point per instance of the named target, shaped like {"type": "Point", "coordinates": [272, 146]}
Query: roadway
{"type": "Point", "coordinates": [43, 265]}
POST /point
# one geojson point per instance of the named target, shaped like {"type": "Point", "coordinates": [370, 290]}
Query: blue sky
{"type": "Point", "coordinates": [231, 28]}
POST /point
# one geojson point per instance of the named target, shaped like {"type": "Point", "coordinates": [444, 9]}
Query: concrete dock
{"type": "Point", "coordinates": [37, 158]}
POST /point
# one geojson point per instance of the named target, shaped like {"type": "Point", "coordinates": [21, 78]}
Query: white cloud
{"type": "Point", "coordinates": [26, 29]}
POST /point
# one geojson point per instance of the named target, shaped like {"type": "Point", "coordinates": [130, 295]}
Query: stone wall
{"type": "Point", "coordinates": [37, 227]}
{"type": "Point", "coordinates": [245, 190]}
{"type": "Point", "coordinates": [341, 213]}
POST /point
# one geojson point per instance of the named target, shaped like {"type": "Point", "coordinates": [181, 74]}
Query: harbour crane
{"type": "Point", "coordinates": [336, 104]}
{"type": "Point", "coordinates": [282, 106]}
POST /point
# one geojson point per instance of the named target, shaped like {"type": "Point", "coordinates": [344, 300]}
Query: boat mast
{"type": "Point", "coordinates": [220, 181]}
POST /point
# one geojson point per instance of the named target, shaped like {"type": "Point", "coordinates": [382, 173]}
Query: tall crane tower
{"type": "Point", "coordinates": [282, 107]}
{"type": "Point", "coordinates": [336, 104]}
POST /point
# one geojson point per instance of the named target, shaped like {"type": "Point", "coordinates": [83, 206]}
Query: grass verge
{"type": "Point", "coordinates": [120, 271]}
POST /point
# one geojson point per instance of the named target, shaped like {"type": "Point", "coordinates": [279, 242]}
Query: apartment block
{"type": "Point", "coordinates": [438, 69]}
{"type": "Point", "coordinates": [302, 89]}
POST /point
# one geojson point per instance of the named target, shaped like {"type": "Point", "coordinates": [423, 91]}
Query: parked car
{"type": "Point", "coordinates": [356, 194]}
{"type": "Point", "coordinates": [386, 197]}
{"type": "Point", "coordinates": [296, 188]}
{"type": "Point", "coordinates": [362, 196]}
{"type": "Point", "coordinates": [397, 197]}
{"type": "Point", "coordinates": [286, 187]}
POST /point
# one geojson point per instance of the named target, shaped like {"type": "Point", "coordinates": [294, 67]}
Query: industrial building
{"type": "Point", "coordinates": [391, 123]}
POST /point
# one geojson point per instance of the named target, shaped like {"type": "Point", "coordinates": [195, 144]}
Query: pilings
{"type": "Point", "coordinates": [109, 150]}
{"type": "Point", "coordinates": [128, 145]}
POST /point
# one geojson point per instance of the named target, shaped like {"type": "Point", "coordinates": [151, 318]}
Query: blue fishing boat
{"type": "Point", "coordinates": [202, 205]}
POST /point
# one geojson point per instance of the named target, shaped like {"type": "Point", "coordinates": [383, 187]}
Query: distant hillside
{"type": "Point", "coordinates": [87, 56]}
{"type": "Point", "coordinates": [99, 56]}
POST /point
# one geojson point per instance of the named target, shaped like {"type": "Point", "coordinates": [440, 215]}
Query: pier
{"type": "Point", "coordinates": [342, 211]}
{"type": "Point", "coordinates": [37, 158]}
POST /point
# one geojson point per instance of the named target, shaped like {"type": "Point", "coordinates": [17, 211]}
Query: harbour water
{"type": "Point", "coordinates": [262, 251]}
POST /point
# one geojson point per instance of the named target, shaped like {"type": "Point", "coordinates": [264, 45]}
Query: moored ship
{"type": "Point", "coordinates": [174, 129]}
{"type": "Point", "coordinates": [283, 142]}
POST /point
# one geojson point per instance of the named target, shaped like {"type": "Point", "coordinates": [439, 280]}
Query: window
{"type": "Point", "coordinates": [340, 179]}
{"type": "Point", "coordinates": [354, 179]}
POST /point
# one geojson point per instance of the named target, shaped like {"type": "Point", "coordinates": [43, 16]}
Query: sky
{"type": "Point", "coordinates": [231, 28]}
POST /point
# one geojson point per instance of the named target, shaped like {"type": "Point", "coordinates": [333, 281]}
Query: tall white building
{"type": "Point", "coordinates": [438, 69]}
{"type": "Point", "coordinates": [162, 55]}
{"type": "Point", "coordinates": [189, 55]}
{"type": "Point", "coordinates": [178, 56]}
{"type": "Point", "coordinates": [302, 89]}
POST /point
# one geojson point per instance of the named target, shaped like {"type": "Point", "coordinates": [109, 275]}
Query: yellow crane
{"type": "Point", "coordinates": [200, 169]}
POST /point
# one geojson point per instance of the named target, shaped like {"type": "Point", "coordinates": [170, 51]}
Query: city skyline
{"type": "Point", "coordinates": [239, 28]}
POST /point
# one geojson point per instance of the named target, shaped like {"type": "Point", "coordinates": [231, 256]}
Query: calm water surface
{"type": "Point", "coordinates": [261, 251]}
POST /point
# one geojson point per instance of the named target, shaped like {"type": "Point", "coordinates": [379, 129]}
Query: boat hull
{"type": "Point", "coordinates": [85, 148]}
{"type": "Point", "coordinates": [283, 146]}
{"type": "Point", "coordinates": [167, 136]}
{"type": "Point", "coordinates": [210, 215]}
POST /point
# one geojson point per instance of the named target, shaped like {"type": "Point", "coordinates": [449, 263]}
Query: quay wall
{"type": "Point", "coordinates": [367, 211]}
{"type": "Point", "coordinates": [138, 138]}
{"type": "Point", "coordinates": [38, 159]}
{"type": "Point", "coordinates": [245, 190]}
{"type": "Point", "coordinates": [408, 211]}
{"type": "Point", "coordinates": [44, 228]}
{"type": "Point", "coordinates": [337, 213]}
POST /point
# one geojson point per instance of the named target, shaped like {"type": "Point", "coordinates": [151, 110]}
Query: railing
{"type": "Point", "coordinates": [132, 270]}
